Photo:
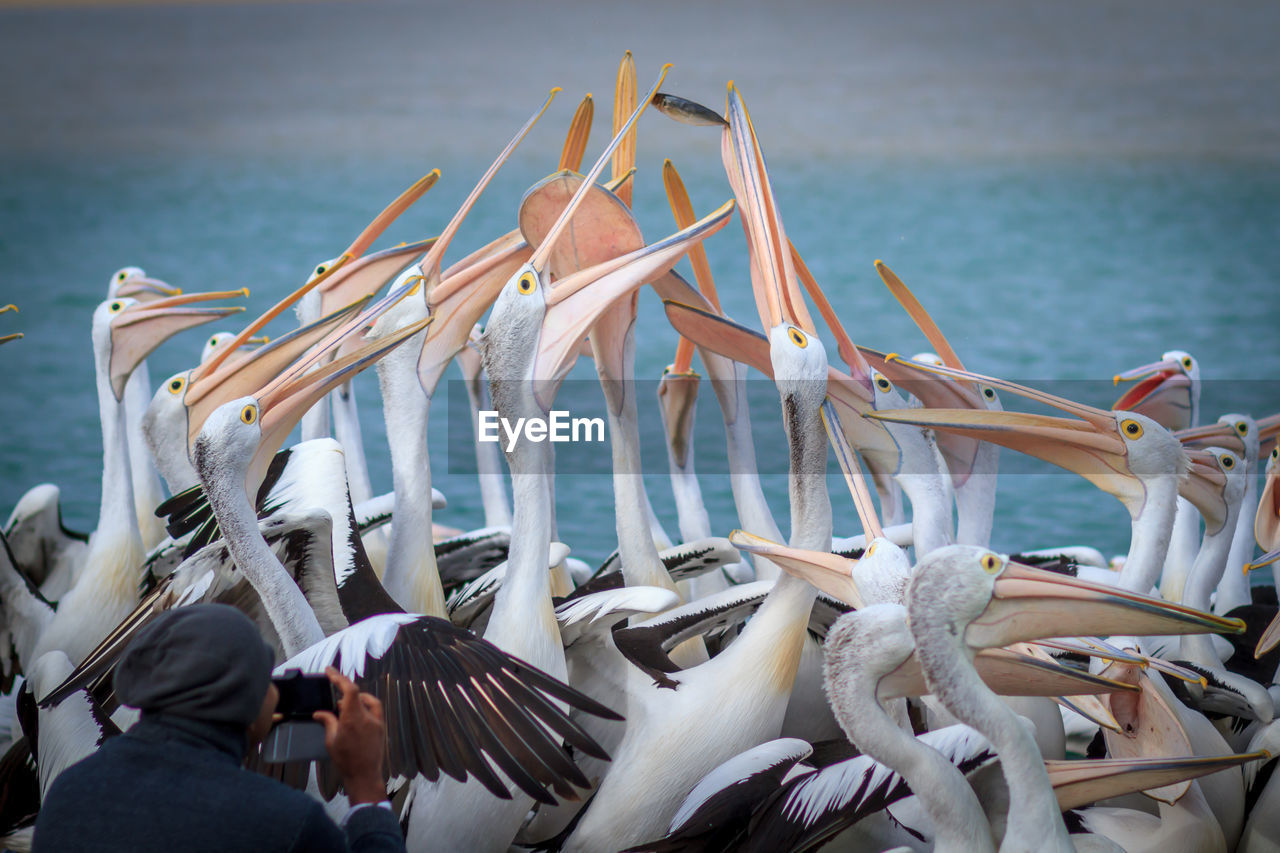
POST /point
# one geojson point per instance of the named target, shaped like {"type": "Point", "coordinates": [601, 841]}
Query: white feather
{"type": "Point", "coordinates": [738, 769]}
{"type": "Point", "coordinates": [366, 639]}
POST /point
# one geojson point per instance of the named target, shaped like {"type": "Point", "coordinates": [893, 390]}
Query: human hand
{"type": "Point", "coordinates": [356, 739]}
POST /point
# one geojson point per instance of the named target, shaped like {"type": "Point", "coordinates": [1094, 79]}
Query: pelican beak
{"type": "Point", "coordinates": [139, 329]}
{"type": "Point", "coordinates": [773, 273]}
{"type": "Point", "coordinates": [1079, 783]}
{"type": "Point", "coordinates": [365, 276]}
{"type": "Point", "coordinates": [242, 376]}
{"type": "Point", "coordinates": [283, 403]}
{"type": "Point", "coordinates": [1008, 673]}
{"type": "Point", "coordinates": [146, 289]}
{"type": "Point", "coordinates": [830, 573]}
{"type": "Point", "coordinates": [577, 301]}
{"type": "Point", "coordinates": [1150, 728]}
{"type": "Point", "coordinates": [1213, 435]}
{"type": "Point", "coordinates": [466, 291]}
{"type": "Point", "coordinates": [1266, 524]}
{"type": "Point", "coordinates": [1091, 448]}
{"type": "Point", "coordinates": [1030, 604]}
{"type": "Point", "coordinates": [721, 335]}
{"type": "Point", "coordinates": [1162, 393]}
{"type": "Point", "coordinates": [1205, 486]}
{"type": "Point", "coordinates": [677, 401]}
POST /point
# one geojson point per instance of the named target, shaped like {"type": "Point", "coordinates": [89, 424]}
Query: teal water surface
{"type": "Point", "coordinates": [1040, 261]}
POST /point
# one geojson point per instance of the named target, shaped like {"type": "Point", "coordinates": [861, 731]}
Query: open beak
{"type": "Point", "coordinates": [139, 329]}
{"type": "Point", "coordinates": [1079, 783]}
{"type": "Point", "coordinates": [1162, 393]}
{"type": "Point", "coordinates": [366, 275]}
{"type": "Point", "coordinates": [145, 289]}
{"type": "Point", "coordinates": [243, 376]}
{"type": "Point", "coordinates": [466, 291]}
{"type": "Point", "coordinates": [1031, 604]}
{"type": "Point", "coordinates": [363, 241]}
{"type": "Point", "coordinates": [1088, 444]}
{"type": "Point", "coordinates": [830, 573]}
{"type": "Point", "coordinates": [677, 402]}
{"type": "Point", "coordinates": [773, 273]}
{"type": "Point", "coordinates": [578, 300]}
{"type": "Point", "coordinates": [283, 403]}
{"type": "Point", "coordinates": [1205, 487]}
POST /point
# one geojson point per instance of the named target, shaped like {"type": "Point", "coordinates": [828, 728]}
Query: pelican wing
{"type": "Point", "coordinates": [458, 704]}
{"type": "Point", "coordinates": [648, 645]}
{"type": "Point", "coordinates": [814, 808]}
{"type": "Point", "coordinates": [715, 814]}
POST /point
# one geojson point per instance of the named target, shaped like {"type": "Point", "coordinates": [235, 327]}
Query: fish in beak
{"type": "Point", "coordinates": [136, 330]}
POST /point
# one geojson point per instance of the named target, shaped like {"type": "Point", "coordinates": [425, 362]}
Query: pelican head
{"type": "Point", "coordinates": [126, 331]}
{"type": "Point", "coordinates": [1167, 390]}
{"type": "Point", "coordinates": [133, 282]}
{"type": "Point", "coordinates": [986, 599]}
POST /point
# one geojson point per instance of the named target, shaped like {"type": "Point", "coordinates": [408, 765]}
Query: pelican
{"type": "Point", "coordinates": [964, 597]}
{"type": "Point", "coordinates": [528, 345]}
{"type": "Point", "coordinates": [124, 332]}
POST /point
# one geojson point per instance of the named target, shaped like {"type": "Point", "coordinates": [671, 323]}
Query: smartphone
{"type": "Point", "coordinates": [297, 737]}
{"type": "Point", "coordinates": [302, 695]}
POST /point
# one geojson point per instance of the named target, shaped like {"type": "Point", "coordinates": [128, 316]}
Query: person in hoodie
{"type": "Point", "coordinates": [201, 676]}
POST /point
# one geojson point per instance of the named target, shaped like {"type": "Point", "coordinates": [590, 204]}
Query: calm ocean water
{"type": "Point", "coordinates": [1061, 254]}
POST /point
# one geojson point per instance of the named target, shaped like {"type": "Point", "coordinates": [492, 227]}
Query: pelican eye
{"type": "Point", "coordinates": [249, 414]}
{"type": "Point", "coordinates": [115, 307]}
{"type": "Point", "coordinates": [320, 269]}
{"type": "Point", "coordinates": [989, 393]}
{"type": "Point", "coordinates": [527, 284]}
{"type": "Point", "coordinates": [1187, 363]}
{"type": "Point", "coordinates": [122, 275]}
{"type": "Point", "coordinates": [991, 564]}
{"type": "Point", "coordinates": [1275, 452]}
{"type": "Point", "coordinates": [798, 337]}
{"type": "Point", "coordinates": [1242, 428]}
{"type": "Point", "coordinates": [1227, 462]}
{"type": "Point", "coordinates": [1131, 428]}
{"type": "Point", "coordinates": [176, 384]}
{"type": "Point", "coordinates": [871, 549]}
{"type": "Point", "coordinates": [882, 383]}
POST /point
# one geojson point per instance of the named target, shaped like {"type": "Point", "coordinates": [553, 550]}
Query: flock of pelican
{"type": "Point", "coordinates": [901, 688]}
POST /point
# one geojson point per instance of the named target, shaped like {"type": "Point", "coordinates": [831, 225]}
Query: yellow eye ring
{"type": "Point", "coordinates": [122, 275]}
{"type": "Point", "coordinates": [1131, 428]}
{"type": "Point", "coordinates": [527, 283]}
{"type": "Point", "coordinates": [115, 307]}
{"type": "Point", "coordinates": [249, 414]}
{"type": "Point", "coordinates": [320, 269]}
{"type": "Point", "coordinates": [1242, 428]}
{"type": "Point", "coordinates": [989, 393]}
{"type": "Point", "coordinates": [1187, 363]}
{"type": "Point", "coordinates": [1227, 462]}
{"type": "Point", "coordinates": [798, 337]}
{"type": "Point", "coordinates": [176, 384]}
{"type": "Point", "coordinates": [1275, 452]}
{"type": "Point", "coordinates": [882, 383]}
{"type": "Point", "coordinates": [991, 564]}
